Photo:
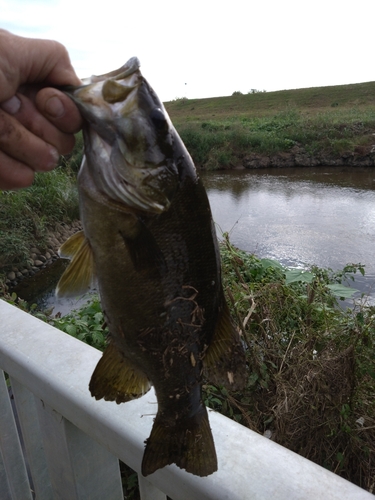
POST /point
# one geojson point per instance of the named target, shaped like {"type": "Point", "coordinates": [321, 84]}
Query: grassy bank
{"type": "Point", "coordinates": [325, 122]}
{"type": "Point", "coordinates": [311, 365]}
{"type": "Point", "coordinates": [224, 132]}
{"type": "Point", "coordinates": [27, 215]}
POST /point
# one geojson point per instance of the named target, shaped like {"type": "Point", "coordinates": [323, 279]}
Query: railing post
{"type": "Point", "coordinates": [4, 485]}
{"type": "Point", "coordinates": [32, 437]}
{"type": "Point", "coordinates": [79, 467]}
{"type": "Point", "coordinates": [13, 475]}
{"type": "Point", "coordinates": [148, 491]}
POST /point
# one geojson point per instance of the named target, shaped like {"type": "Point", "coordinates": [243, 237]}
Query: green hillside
{"type": "Point", "coordinates": [314, 99]}
{"type": "Point", "coordinates": [303, 127]}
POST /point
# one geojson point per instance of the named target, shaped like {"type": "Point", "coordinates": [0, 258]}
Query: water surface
{"type": "Point", "coordinates": [322, 216]}
{"type": "Point", "coordinates": [300, 217]}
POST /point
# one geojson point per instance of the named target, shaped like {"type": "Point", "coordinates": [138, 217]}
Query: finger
{"type": "Point", "coordinates": [59, 109]}
{"type": "Point", "coordinates": [25, 147]}
{"type": "Point", "coordinates": [14, 174]}
{"type": "Point", "coordinates": [30, 117]}
{"type": "Point", "coordinates": [50, 62]}
{"type": "Point", "coordinates": [29, 60]}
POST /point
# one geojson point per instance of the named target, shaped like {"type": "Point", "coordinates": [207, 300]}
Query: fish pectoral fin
{"type": "Point", "coordinates": [116, 378]}
{"type": "Point", "coordinates": [79, 275]}
{"type": "Point", "coordinates": [72, 245]}
{"type": "Point", "coordinates": [187, 442]}
{"type": "Point", "coordinates": [224, 362]}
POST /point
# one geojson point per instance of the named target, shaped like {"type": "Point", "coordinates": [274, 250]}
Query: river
{"type": "Point", "coordinates": [301, 216]}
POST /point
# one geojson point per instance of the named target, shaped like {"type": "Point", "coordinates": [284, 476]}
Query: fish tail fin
{"type": "Point", "coordinates": [186, 442]}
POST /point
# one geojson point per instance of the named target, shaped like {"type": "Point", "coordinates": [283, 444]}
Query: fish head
{"type": "Point", "coordinates": [130, 142]}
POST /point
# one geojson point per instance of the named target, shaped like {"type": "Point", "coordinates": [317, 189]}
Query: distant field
{"type": "Point", "coordinates": [319, 122]}
{"type": "Point", "coordinates": [310, 100]}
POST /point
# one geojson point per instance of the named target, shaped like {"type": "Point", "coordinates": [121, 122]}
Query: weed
{"type": "Point", "coordinates": [27, 215]}
{"type": "Point", "coordinates": [310, 382]}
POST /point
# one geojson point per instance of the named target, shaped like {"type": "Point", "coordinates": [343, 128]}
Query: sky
{"type": "Point", "coordinates": [205, 48]}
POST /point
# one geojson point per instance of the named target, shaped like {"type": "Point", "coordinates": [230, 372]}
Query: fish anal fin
{"type": "Point", "coordinates": [187, 442]}
{"type": "Point", "coordinates": [115, 378]}
{"type": "Point", "coordinates": [79, 275]}
{"type": "Point", "coordinates": [224, 361]}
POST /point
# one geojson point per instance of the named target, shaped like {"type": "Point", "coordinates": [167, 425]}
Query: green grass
{"type": "Point", "coordinates": [308, 100]}
{"type": "Point", "coordinates": [27, 215]}
{"type": "Point", "coordinates": [220, 132]}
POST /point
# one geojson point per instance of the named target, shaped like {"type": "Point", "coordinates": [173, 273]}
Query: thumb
{"type": "Point", "coordinates": [59, 109]}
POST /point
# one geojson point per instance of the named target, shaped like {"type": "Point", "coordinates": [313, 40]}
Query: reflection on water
{"type": "Point", "coordinates": [299, 216]}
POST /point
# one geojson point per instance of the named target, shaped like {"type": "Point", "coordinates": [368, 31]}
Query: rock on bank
{"type": "Point", "coordinates": [363, 156]}
{"type": "Point", "coordinates": [42, 256]}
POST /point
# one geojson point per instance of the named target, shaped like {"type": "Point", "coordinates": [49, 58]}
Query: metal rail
{"type": "Point", "coordinates": [71, 443]}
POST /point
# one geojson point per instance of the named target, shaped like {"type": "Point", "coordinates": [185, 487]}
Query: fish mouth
{"type": "Point", "coordinates": [130, 67]}
{"type": "Point", "coordinates": [109, 88]}
{"type": "Point", "coordinates": [97, 92]}
{"type": "Point", "coordinates": [128, 138]}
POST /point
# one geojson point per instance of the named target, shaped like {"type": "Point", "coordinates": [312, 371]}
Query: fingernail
{"type": "Point", "coordinates": [12, 105]}
{"type": "Point", "coordinates": [54, 107]}
{"type": "Point", "coordinates": [55, 158]}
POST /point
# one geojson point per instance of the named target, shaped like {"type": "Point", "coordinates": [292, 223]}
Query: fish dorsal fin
{"type": "Point", "coordinates": [113, 91]}
{"type": "Point", "coordinates": [224, 361]}
{"type": "Point", "coordinates": [79, 275]}
{"type": "Point", "coordinates": [116, 378]}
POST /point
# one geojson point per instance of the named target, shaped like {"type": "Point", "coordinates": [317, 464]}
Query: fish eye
{"type": "Point", "coordinates": [158, 118]}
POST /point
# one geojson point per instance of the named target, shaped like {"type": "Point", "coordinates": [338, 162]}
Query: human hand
{"type": "Point", "coordinates": [37, 122]}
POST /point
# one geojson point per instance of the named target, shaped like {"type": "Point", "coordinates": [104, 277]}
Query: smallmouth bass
{"type": "Point", "coordinates": [149, 239]}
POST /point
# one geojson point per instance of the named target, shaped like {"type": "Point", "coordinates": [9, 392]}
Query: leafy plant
{"type": "Point", "coordinates": [86, 324]}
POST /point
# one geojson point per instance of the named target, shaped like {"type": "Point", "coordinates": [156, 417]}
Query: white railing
{"type": "Point", "coordinates": [72, 443]}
